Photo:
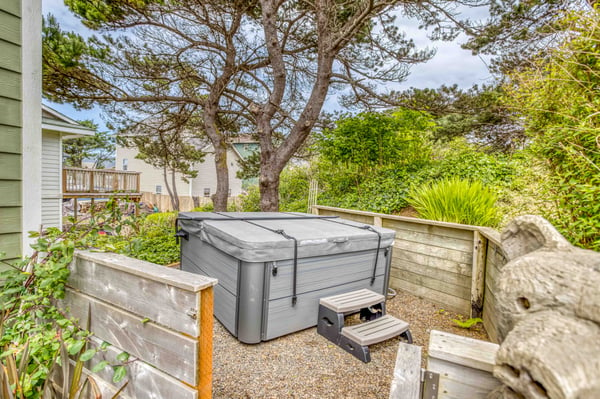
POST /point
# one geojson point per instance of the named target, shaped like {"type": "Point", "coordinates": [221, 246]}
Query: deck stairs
{"type": "Point", "coordinates": [376, 325]}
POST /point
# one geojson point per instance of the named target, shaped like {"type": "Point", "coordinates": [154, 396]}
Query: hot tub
{"type": "Point", "coordinates": [273, 267]}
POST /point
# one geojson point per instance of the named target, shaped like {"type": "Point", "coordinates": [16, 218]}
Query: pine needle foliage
{"type": "Point", "coordinates": [457, 201]}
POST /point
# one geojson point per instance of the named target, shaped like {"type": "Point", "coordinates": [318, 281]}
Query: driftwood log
{"type": "Point", "coordinates": [548, 311]}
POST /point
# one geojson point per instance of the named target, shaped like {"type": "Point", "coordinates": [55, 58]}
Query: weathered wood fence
{"type": "Point", "coordinates": [160, 316]}
{"type": "Point", "coordinates": [453, 265]}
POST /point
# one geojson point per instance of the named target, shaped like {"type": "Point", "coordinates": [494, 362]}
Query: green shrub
{"type": "Point", "coordinates": [250, 201]}
{"type": "Point", "coordinates": [209, 207]}
{"type": "Point", "coordinates": [153, 240]}
{"type": "Point", "coordinates": [455, 200]}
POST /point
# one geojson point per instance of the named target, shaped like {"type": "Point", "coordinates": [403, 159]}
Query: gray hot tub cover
{"type": "Point", "coordinates": [254, 239]}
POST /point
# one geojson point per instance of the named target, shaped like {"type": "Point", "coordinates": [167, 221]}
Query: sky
{"type": "Point", "coordinates": [450, 65]}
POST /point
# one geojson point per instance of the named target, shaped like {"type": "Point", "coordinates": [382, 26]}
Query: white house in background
{"type": "Point", "coordinates": [204, 185]}
{"type": "Point", "coordinates": [56, 127]}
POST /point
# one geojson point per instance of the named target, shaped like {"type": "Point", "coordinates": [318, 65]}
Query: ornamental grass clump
{"type": "Point", "coordinates": [455, 200]}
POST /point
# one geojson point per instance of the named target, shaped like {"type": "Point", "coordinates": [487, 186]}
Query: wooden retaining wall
{"type": "Point", "coordinates": [162, 317]}
{"type": "Point", "coordinates": [444, 263]}
{"type": "Point", "coordinates": [495, 259]}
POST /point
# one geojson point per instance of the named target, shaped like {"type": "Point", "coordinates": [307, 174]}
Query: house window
{"type": "Point", "coordinates": [207, 192]}
{"type": "Point", "coordinates": [125, 162]}
{"type": "Point", "coordinates": [158, 189]}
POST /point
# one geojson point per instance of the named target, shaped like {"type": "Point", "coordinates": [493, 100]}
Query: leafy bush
{"type": "Point", "coordinates": [455, 200]}
{"type": "Point", "coordinates": [209, 207]}
{"type": "Point", "coordinates": [293, 189]}
{"type": "Point", "coordinates": [35, 335]}
{"type": "Point", "coordinates": [557, 95]}
{"type": "Point", "coordinates": [152, 240]}
{"type": "Point", "coordinates": [250, 202]}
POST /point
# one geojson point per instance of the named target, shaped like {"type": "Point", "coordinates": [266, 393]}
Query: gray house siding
{"type": "Point", "coordinates": [51, 179]}
{"type": "Point", "coordinates": [10, 128]}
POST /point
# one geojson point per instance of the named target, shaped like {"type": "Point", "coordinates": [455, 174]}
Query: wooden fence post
{"type": "Point", "coordinates": [478, 276]}
{"type": "Point", "coordinates": [206, 344]}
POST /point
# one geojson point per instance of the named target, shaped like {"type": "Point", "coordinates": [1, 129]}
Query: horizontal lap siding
{"type": "Point", "coordinates": [51, 180]}
{"type": "Point", "coordinates": [434, 262]}
{"type": "Point", "coordinates": [10, 128]}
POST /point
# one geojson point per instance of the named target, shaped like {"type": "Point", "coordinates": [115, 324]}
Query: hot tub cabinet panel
{"type": "Point", "coordinates": [254, 263]}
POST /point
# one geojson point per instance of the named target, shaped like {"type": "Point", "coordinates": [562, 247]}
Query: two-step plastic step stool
{"type": "Point", "coordinates": [356, 339]}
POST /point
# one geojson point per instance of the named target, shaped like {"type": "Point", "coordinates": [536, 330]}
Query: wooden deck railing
{"type": "Point", "coordinates": [80, 182]}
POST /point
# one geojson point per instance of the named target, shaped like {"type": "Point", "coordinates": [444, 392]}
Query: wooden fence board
{"type": "Point", "coordinates": [435, 240]}
{"type": "Point", "coordinates": [406, 252]}
{"type": "Point", "coordinates": [465, 365]}
{"type": "Point", "coordinates": [167, 350]}
{"type": "Point", "coordinates": [348, 216]}
{"type": "Point", "coordinates": [145, 381]}
{"type": "Point", "coordinates": [433, 283]}
{"type": "Point", "coordinates": [448, 302]}
{"type": "Point", "coordinates": [425, 261]}
{"type": "Point", "coordinates": [442, 253]}
{"type": "Point", "coordinates": [460, 280]}
{"type": "Point", "coordinates": [165, 304]}
{"type": "Point", "coordinates": [458, 382]}
{"type": "Point", "coordinates": [421, 226]}
{"type": "Point", "coordinates": [406, 383]}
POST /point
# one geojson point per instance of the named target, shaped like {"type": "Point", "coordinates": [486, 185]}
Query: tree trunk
{"type": "Point", "coordinates": [220, 197]}
{"type": "Point", "coordinates": [168, 187]}
{"type": "Point", "coordinates": [175, 199]}
{"type": "Point", "coordinates": [269, 188]}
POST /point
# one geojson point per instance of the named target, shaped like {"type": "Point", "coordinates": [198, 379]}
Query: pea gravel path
{"type": "Point", "coordinates": [306, 365]}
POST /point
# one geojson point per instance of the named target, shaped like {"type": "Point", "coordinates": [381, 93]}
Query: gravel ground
{"type": "Point", "coordinates": [306, 365]}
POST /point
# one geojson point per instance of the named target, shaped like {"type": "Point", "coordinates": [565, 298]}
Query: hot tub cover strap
{"type": "Point", "coordinates": [370, 228]}
{"type": "Point", "coordinates": [295, 272]}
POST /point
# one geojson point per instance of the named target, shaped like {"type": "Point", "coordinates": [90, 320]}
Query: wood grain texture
{"type": "Point", "coordinates": [465, 365]}
{"type": "Point", "coordinates": [434, 251]}
{"type": "Point", "coordinates": [206, 344]}
{"type": "Point", "coordinates": [478, 274]}
{"type": "Point", "coordinates": [145, 381]}
{"type": "Point", "coordinates": [551, 355]}
{"type": "Point", "coordinates": [420, 231]}
{"type": "Point", "coordinates": [150, 271]}
{"type": "Point", "coordinates": [445, 301]}
{"type": "Point", "coordinates": [406, 383]}
{"type": "Point", "coordinates": [325, 210]}
{"type": "Point", "coordinates": [463, 351]}
{"type": "Point", "coordinates": [458, 279]}
{"type": "Point", "coordinates": [167, 350]}
{"type": "Point", "coordinates": [422, 261]}
{"type": "Point", "coordinates": [462, 290]}
{"type": "Point", "coordinates": [137, 291]}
